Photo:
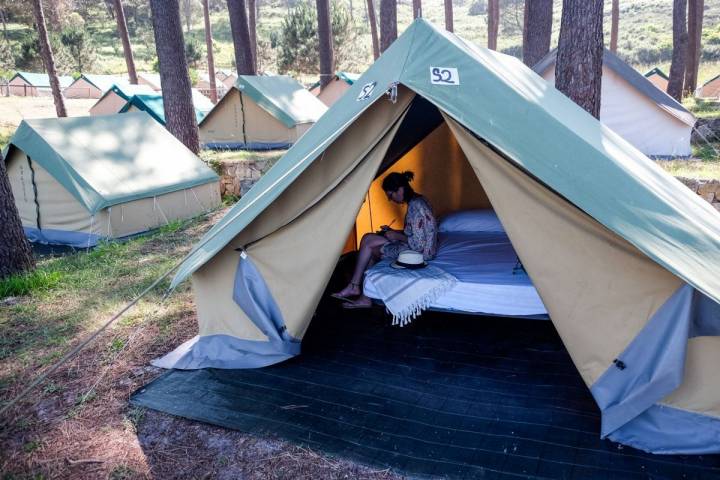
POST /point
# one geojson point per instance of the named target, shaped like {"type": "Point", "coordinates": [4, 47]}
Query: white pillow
{"type": "Point", "coordinates": [484, 220]}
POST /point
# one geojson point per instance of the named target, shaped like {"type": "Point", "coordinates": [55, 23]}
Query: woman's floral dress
{"type": "Point", "coordinates": [420, 229]}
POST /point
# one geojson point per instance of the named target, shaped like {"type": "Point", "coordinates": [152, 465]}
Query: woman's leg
{"type": "Point", "coordinates": [369, 251]}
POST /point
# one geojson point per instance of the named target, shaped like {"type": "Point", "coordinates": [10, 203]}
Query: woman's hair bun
{"type": "Point", "coordinates": [408, 175]}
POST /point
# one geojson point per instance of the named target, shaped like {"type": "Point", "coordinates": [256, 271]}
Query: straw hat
{"type": "Point", "coordinates": [409, 259]}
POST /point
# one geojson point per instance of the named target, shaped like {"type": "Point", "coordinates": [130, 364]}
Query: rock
{"type": "Point", "coordinates": [9, 301]}
{"type": "Point", "coordinates": [709, 197]}
{"type": "Point", "coordinates": [717, 206]}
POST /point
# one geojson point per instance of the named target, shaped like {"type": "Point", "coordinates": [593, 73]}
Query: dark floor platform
{"type": "Point", "coordinates": [451, 395]}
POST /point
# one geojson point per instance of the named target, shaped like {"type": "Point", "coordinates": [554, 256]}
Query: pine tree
{"type": "Point", "coordinates": [373, 28]}
{"type": "Point", "coordinates": [15, 253]}
{"type": "Point", "coordinates": [125, 39]}
{"type": "Point", "coordinates": [209, 47]}
{"type": "Point", "coordinates": [679, 55]}
{"type": "Point", "coordinates": [695, 20]}
{"type": "Point", "coordinates": [325, 40]}
{"type": "Point", "coordinates": [449, 16]}
{"type": "Point", "coordinates": [388, 23]}
{"type": "Point", "coordinates": [537, 30]}
{"type": "Point", "coordinates": [493, 12]}
{"type": "Point", "coordinates": [48, 59]}
{"type": "Point", "coordinates": [174, 76]}
{"type": "Point", "coordinates": [614, 25]}
{"type": "Point", "coordinates": [578, 69]}
{"type": "Point", "coordinates": [244, 61]}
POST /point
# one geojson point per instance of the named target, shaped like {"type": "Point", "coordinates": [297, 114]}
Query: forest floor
{"type": "Point", "coordinates": [78, 424]}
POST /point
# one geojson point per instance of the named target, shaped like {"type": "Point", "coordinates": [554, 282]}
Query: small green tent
{"type": "Point", "coordinates": [152, 103]}
{"type": "Point", "coordinates": [81, 179]}
{"type": "Point", "coordinates": [261, 112]}
{"type": "Point", "coordinates": [624, 257]}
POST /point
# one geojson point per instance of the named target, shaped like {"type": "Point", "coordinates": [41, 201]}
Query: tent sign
{"type": "Point", "coordinates": [444, 76]}
{"type": "Point", "coordinates": [366, 91]}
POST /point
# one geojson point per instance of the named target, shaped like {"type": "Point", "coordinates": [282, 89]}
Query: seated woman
{"type": "Point", "coordinates": [419, 234]}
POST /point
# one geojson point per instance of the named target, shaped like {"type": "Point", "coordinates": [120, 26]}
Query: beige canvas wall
{"type": "Point", "coordinates": [82, 89]}
{"type": "Point", "coordinates": [20, 88]}
{"type": "Point", "coordinates": [333, 91]}
{"type": "Point", "coordinates": [295, 249]}
{"type": "Point", "coordinates": [110, 104]}
{"type": "Point", "coordinates": [711, 90]}
{"type": "Point", "coordinates": [659, 82]}
{"type": "Point", "coordinates": [225, 123]}
{"type": "Point", "coordinates": [59, 210]}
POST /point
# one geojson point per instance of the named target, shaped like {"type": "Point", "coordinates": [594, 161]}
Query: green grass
{"type": "Point", "coordinates": [33, 282]}
{"type": "Point", "coordinates": [703, 108]}
{"type": "Point", "coordinates": [5, 136]}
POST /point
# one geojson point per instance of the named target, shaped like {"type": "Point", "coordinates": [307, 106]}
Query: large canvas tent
{"type": "Point", "coordinates": [632, 106]}
{"type": "Point", "coordinates": [152, 104]}
{"type": "Point", "coordinates": [261, 112]}
{"type": "Point", "coordinates": [93, 85]}
{"type": "Point", "coordinates": [116, 97]}
{"type": "Point", "coordinates": [624, 257]}
{"type": "Point", "coordinates": [28, 84]}
{"type": "Point", "coordinates": [82, 179]}
{"type": "Point", "coordinates": [709, 89]}
{"type": "Point", "coordinates": [658, 78]}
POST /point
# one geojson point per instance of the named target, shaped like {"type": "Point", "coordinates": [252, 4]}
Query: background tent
{"type": "Point", "coordinates": [624, 256]}
{"type": "Point", "coordinates": [93, 86]}
{"type": "Point", "coordinates": [149, 79]}
{"type": "Point", "coordinates": [339, 84]}
{"type": "Point", "coordinates": [78, 180]}
{"type": "Point", "coordinates": [710, 89]}
{"type": "Point", "coordinates": [658, 78]}
{"type": "Point", "coordinates": [654, 122]}
{"type": "Point", "coordinates": [116, 97]}
{"type": "Point", "coordinates": [152, 103]}
{"type": "Point", "coordinates": [27, 84]}
{"type": "Point", "coordinates": [261, 112]}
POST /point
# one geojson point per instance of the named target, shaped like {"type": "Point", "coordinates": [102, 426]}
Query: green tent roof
{"type": "Point", "coordinates": [656, 71]}
{"type": "Point", "coordinates": [152, 103]}
{"type": "Point", "coordinates": [127, 91]}
{"type": "Point", "coordinates": [282, 97]}
{"type": "Point", "coordinates": [110, 159]}
{"type": "Point", "coordinates": [42, 80]}
{"type": "Point", "coordinates": [346, 77]}
{"type": "Point", "coordinates": [535, 127]}
{"type": "Point", "coordinates": [103, 82]}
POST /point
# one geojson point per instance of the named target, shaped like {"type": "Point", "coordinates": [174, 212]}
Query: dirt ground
{"type": "Point", "coordinates": [14, 109]}
{"type": "Point", "coordinates": [78, 424]}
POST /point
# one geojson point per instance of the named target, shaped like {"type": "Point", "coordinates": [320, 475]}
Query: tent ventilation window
{"type": "Point", "coordinates": [35, 192]}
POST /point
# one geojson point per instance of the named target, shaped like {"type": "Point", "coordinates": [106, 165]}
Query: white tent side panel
{"type": "Point", "coordinates": [225, 123]}
{"type": "Point", "coordinates": [109, 105]}
{"type": "Point", "coordinates": [81, 88]}
{"type": "Point", "coordinates": [638, 119]}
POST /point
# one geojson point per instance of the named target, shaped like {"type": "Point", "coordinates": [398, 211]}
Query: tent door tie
{"type": "Point", "coordinates": [619, 364]}
{"type": "Point", "coordinates": [392, 92]}
{"type": "Point", "coordinates": [243, 253]}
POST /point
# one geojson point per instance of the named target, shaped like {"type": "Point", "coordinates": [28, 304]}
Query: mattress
{"type": "Point", "coordinates": [488, 282]}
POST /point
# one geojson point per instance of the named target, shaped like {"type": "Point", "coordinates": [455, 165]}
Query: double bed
{"type": "Point", "coordinates": [474, 248]}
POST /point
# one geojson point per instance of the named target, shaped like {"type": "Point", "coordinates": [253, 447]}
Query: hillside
{"type": "Point", "coordinates": [645, 32]}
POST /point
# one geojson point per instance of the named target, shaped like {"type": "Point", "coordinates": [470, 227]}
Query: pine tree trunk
{"type": "Point", "coordinates": [125, 38]}
{"type": "Point", "coordinates": [241, 37]}
{"type": "Point", "coordinates": [449, 16]}
{"type": "Point", "coordinates": [174, 77]}
{"type": "Point", "coordinates": [388, 23]}
{"type": "Point", "coordinates": [15, 253]}
{"type": "Point", "coordinates": [48, 60]}
{"type": "Point", "coordinates": [3, 18]}
{"type": "Point", "coordinates": [417, 8]}
{"type": "Point", "coordinates": [252, 26]}
{"type": "Point", "coordinates": [493, 11]}
{"type": "Point", "coordinates": [537, 30]}
{"type": "Point", "coordinates": [695, 21]}
{"type": "Point", "coordinates": [52, 17]}
{"type": "Point", "coordinates": [578, 70]}
{"type": "Point", "coordinates": [373, 28]}
{"type": "Point", "coordinates": [210, 57]}
{"type": "Point", "coordinates": [614, 25]}
{"type": "Point", "coordinates": [326, 45]}
{"type": "Point", "coordinates": [679, 55]}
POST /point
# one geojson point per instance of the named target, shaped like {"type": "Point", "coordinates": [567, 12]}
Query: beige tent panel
{"type": "Point", "coordinates": [59, 210]}
{"type": "Point", "coordinates": [568, 255]}
{"type": "Point", "coordinates": [301, 128]}
{"type": "Point", "coordinates": [20, 88]}
{"type": "Point", "coordinates": [110, 104]}
{"type": "Point", "coordinates": [700, 390]}
{"type": "Point", "coordinates": [81, 88]}
{"type": "Point", "coordinates": [442, 174]}
{"type": "Point", "coordinates": [658, 81]}
{"type": "Point", "coordinates": [225, 123]}
{"type": "Point", "coordinates": [335, 185]}
{"type": "Point", "coordinates": [333, 91]}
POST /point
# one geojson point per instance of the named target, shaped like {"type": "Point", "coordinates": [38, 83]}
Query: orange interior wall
{"type": "Point", "coordinates": [442, 174]}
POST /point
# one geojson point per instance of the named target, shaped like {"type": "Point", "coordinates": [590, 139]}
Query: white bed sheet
{"type": "Point", "coordinates": [483, 264]}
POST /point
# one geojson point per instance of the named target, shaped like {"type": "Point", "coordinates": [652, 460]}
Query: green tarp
{"type": "Point", "coordinates": [152, 103]}
{"type": "Point", "coordinates": [532, 124]}
{"type": "Point", "coordinates": [110, 159]}
{"type": "Point", "coordinates": [283, 97]}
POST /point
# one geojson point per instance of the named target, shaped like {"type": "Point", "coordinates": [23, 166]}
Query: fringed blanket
{"type": "Point", "coordinates": [406, 293]}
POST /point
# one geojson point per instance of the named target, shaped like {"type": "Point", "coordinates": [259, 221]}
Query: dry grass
{"type": "Point", "coordinates": [14, 109]}
{"type": "Point", "coordinates": [78, 424]}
